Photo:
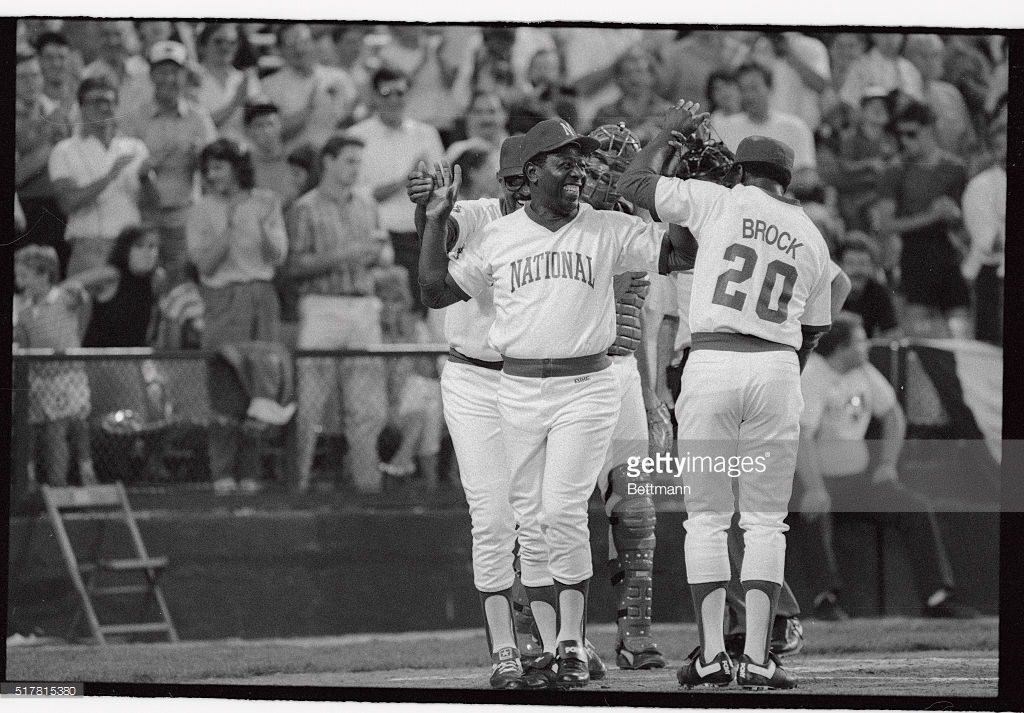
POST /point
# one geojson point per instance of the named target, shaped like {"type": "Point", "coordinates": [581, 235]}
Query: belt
{"type": "Point", "coordinates": [543, 368]}
{"type": "Point", "coordinates": [735, 342]}
{"type": "Point", "coordinates": [459, 357]}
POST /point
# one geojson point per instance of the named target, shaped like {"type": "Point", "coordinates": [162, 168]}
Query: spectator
{"type": "Point", "coordinates": [842, 392]}
{"type": "Point", "coordinates": [336, 239]}
{"type": "Point", "coordinates": [984, 209]}
{"type": "Point", "coordinates": [864, 154]}
{"type": "Point", "coordinates": [485, 126]}
{"type": "Point", "coordinates": [414, 390]}
{"type": "Point", "coordinates": [478, 174]}
{"type": "Point", "coordinates": [800, 73]}
{"type": "Point", "coordinates": [882, 66]}
{"type": "Point", "coordinates": [99, 178]}
{"type": "Point", "coordinates": [844, 48]}
{"type": "Point", "coordinates": [546, 96]}
{"type": "Point", "coordinates": [954, 131]}
{"type": "Point", "coordinates": [395, 145]}
{"type": "Point", "coordinates": [304, 164]}
{"type": "Point", "coordinates": [638, 106]}
{"type": "Point", "coordinates": [152, 31]}
{"type": "Point", "coordinates": [688, 63]}
{"type": "Point", "coordinates": [60, 72]}
{"type": "Point", "coordinates": [39, 124]}
{"type": "Point", "coordinates": [870, 298]}
{"type": "Point", "coordinates": [236, 238]}
{"type": "Point", "coordinates": [125, 291]}
{"type": "Point", "coordinates": [417, 52]}
{"type": "Point", "coordinates": [314, 99]}
{"type": "Point", "coordinates": [272, 170]}
{"type": "Point", "coordinates": [920, 202]}
{"type": "Point", "coordinates": [224, 90]}
{"type": "Point", "coordinates": [122, 67]}
{"type": "Point", "coordinates": [59, 399]}
{"type": "Point", "coordinates": [759, 118]}
{"type": "Point", "coordinates": [175, 131]}
{"type": "Point", "coordinates": [723, 95]}
{"type": "Point", "coordinates": [969, 70]}
{"type": "Point", "coordinates": [492, 70]}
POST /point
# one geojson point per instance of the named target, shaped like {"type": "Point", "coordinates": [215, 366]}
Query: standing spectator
{"type": "Point", "coordinates": [121, 66]}
{"type": "Point", "coordinates": [336, 239]}
{"type": "Point", "coordinates": [842, 391]}
{"type": "Point", "coordinates": [492, 69]}
{"type": "Point", "coordinates": [969, 70]}
{"type": "Point", "coordinates": [687, 64]}
{"type": "Point", "coordinates": [723, 93]}
{"type": "Point", "coordinates": [869, 298]}
{"type": "Point", "coordinates": [39, 124]}
{"type": "Point", "coordinates": [269, 161]}
{"type": "Point", "coordinates": [99, 177]}
{"type": "Point", "coordinates": [984, 208]}
{"type": "Point", "coordinates": [414, 390]}
{"type": "Point", "coordinates": [954, 131]}
{"type": "Point", "coordinates": [60, 71]}
{"type": "Point", "coordinates": [59, 399]}
{"type": "Point", "coordinates": [314, 99]}
{"type": "Point", "coordinates": [800, 73]}
{"type": "Point", "coordinates": [478, 174]}
{"type": "Point", "coordinates": [758, 118]}
{"type": "Point", "coordinates": [638, 106]}
{"type": "Point", "coordinates": [864, 154]}
{"type": "Point", "coordinates": [546, 96]}
{"type": "Point", "coordinates": [236, 238]}
{"type": "Point", "coordinates": [881, 66]}
{"type": "Point", "coordinates": [224, 90]}
{"type": "Point", "coordinates": [175, 131]}
{"type": "Point", "coordinates": [485, 126]}
{"type": "Point", "coordinates": [844, 49]}
{"type": "Point", "coordinates": [125, 291]}
{"type": "Point", "coordinates": [394, 147]}
{"type": "Point", "coordinates": [921, 204]}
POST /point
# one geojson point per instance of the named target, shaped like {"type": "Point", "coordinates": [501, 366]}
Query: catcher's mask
{"type": "Point", "coordinates": [706, 160]}
{"type": "Point", "coordinates": [604, 166]}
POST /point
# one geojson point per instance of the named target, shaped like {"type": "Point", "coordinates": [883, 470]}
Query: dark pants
{"type": "Point", "coordinates": [888, 505]}
{"type": "Point", "coordinates": [407, 254]}
{"type": "Point", "coordinates": [988, 295]}
{"type": "Point", "coordinates": [45, 226]}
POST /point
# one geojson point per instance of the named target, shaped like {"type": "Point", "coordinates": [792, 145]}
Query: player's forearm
{"type": "Point", "coordinates": [419, 219]}
{"type": "Point", "coordinates": [811, 335]}
{"type": "Point", "coordinates": [678, 250]}
{"type": "Point", "coordinates": [640, 180]}
{"type": "Point", "coordinates": [433, 260]}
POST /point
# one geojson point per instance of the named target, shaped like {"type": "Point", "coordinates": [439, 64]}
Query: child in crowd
{"type": "Point", "coordinates": [59, 398]}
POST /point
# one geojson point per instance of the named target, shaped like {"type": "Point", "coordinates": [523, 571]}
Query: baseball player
{"type": "Point", "coordinates": [550, 269]}
{"type": "Point", "coordinates": [760, 293]}
{"type": "Point", "coordinates": [469, 394]}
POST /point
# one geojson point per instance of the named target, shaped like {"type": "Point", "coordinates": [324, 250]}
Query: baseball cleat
{"type": "Point", "coordinates": [648, 658]}
{"type": "Point", "coordinates": [532, 647]}
{"type": "Point", "coordinates": [787, 636]}
{"type": "Point", "coordinates": [594, 663]}
{"type": "Point", "coordinates": [573, 671]}
{"type": "Point", "coordinates": [695, 673]}
{"type": "Point", "coordinates": [540, 673]}
{"type": "Point", "coordinates": [506, 669]}
{"type": "Point", "coordinates": [763, 677]}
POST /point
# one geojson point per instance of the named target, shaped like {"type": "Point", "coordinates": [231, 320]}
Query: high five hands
{"type": "Point", "coordinates": [446, 183]}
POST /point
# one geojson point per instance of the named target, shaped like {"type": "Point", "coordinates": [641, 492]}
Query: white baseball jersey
{"type": "Point", "coordinates": [552, 290]}
{"type": "Point", "coordinates": [762, 266]}
{"type": "Point", "coordinates": [467, 324]}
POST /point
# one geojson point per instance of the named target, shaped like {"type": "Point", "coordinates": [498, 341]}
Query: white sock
{"type": "Point", "coordinates": [544, 616]}
{"type": "Point", "coordinates": [712, 614]}
{"type": "Point", "coordinates": [499, 622]}
{"type": "Point", "coordinates": [571, 606]}
{"type": "Point", "coordinates": [759, 621]}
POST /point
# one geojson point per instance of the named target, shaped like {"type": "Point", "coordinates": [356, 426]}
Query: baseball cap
{"type": "Point", "coordinates": [552, 134]}
{"type": "Point", "coordinates": [761, 149]}
{"type": "Point", "coordinates": [168, 51]}
{"type": "Point", "coordinates": [510, 162]}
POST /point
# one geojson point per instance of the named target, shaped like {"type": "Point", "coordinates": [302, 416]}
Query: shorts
{"type": "Point", "coordinates": [930, 274]}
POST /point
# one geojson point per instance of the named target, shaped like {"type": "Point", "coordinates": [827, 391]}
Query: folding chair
{"type": "Point", "coordinates": [136, 574]}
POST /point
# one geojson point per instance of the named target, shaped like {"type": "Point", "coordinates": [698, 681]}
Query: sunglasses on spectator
{"type": "Point", "coordinates": [398, 91]}
{"type": "Point", "coordinates": [911, 134]}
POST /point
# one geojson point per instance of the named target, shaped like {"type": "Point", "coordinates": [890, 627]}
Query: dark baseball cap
{"type": "Point", "coordinates": [510, 161]}
{"type": "Point", "coordinates": [552, 134]}
{"type": "Point", "coordinates": [761, 149]}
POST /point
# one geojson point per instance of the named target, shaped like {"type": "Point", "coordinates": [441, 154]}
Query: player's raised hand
{"type": "Point", "coordinates": [446, 184]}
{"type": "Point", "coordinates": [419, 184]}
{"type": "Point", "coordinates": [684, 117]}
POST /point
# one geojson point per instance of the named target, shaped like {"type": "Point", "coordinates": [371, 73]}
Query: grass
{"type": "Point", "coordinates": [199, 660]}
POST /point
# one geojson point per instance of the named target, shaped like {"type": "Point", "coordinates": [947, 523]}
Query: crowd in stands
{"type": "Point", "coordinates": [195, 184]}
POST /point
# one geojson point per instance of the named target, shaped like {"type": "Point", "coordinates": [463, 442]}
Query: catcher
{"type": "Point", "coordinates": [631, 537]}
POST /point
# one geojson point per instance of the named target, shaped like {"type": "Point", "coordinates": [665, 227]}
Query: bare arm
{"type": "Point", "coordinates": [841, 287]}
{"type": "Point", "coordinates": [894, 430]}
{"type": "Point", "coordinates": [808, 74]}
{"type": "Point", "coordinates": [939, 213]}
{"type": "Point", "coordinates": [70, 196]}
{"type": "Point", "coordinates": [437, 288]}
{"type": "Point", "coordinates": [91, 279]}
{"type": "Point", "coordinates": [815, 500]}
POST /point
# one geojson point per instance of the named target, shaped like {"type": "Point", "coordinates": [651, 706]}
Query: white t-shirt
{"type": "Point", "coordinates": [336, 95]}
{"type": "Point", "coordinates": [984, 204]}
{"type": "Point", "coordinates": [553, 292]}
{"type": "Point", "coordinates": [389, 156]}
{"type": "Point", "coordinates": [837, 411]}
{"type": "Point", "coordinates": [789, 93]}
{"type": "Point", "coordinates": [762, 266]}
{"type": "Point", "coordinates": [467, 324]}
{"type": "Point", "coordinates": [788, 129]}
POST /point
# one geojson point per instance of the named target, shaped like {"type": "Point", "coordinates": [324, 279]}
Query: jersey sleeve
{"type": "Point", "coordinates": [686, 202]}
{"type": "Point", "coordinates": [818, 310]}
{"type": "Point", "coordinates": [471, 272]}
{"type": "Point", "coordinates": [883, 396]}
{"type": "Point", "coordinates": [467, 221]}
{"type": "Point", "coordinates": [640, 244]}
